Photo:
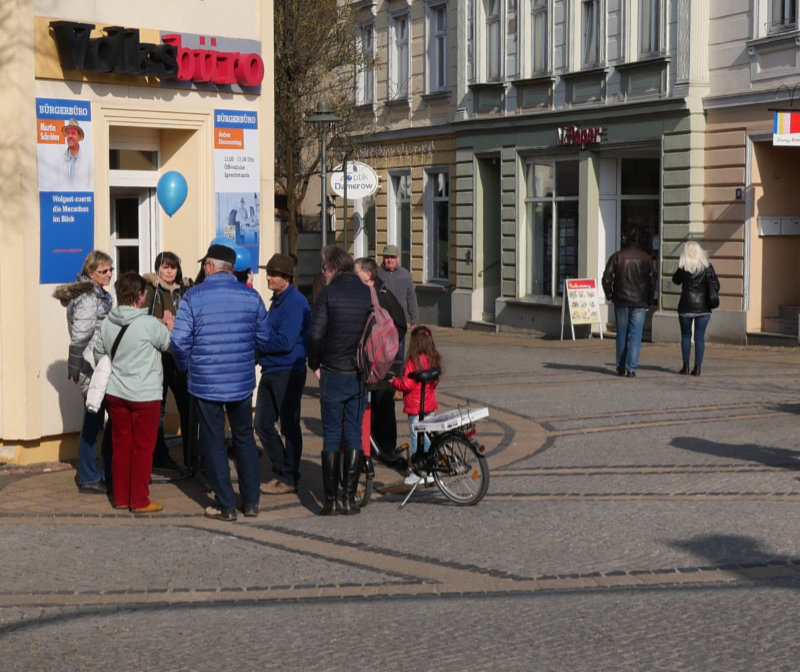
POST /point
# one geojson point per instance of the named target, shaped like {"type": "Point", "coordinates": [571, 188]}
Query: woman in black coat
{"type": "Point", "coordinates": [696, 275]}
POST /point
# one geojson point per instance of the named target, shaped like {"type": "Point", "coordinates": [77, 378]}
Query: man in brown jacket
{"type": "Point", "coordinates": [629, 281]}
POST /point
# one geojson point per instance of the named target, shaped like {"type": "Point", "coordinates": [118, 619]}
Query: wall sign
{"type": "Point", "coordinates": [119, 50]}
{"type": "Point", "coordinates": [786, 129]}
{"type": "Point", "coordinates": [573, 135]}
{"type": "Point", "coordinates": [66, 186]}
{"type": "Point", "coordinates": [237, 179]}
{"type": "Point", "coordinates": [362, 180]}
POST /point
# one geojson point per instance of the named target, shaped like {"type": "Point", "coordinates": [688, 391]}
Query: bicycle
{"type": "Point", "coordinates": [455, 461]}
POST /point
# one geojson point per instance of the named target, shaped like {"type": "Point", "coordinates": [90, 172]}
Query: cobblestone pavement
{"type": "Point", "coordinates": [630, 524]}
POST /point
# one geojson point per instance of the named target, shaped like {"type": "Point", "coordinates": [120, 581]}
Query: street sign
{"type": "Point", "coordinates": [362, 180]}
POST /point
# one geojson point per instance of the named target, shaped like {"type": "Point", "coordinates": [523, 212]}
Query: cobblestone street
{"type": "Point", "coordinates": [630, 524]}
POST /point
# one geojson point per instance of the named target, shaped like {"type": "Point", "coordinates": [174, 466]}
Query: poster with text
{"type": "Point", "coordinates": [66, 186]}
{"type": "Point", "coordinates": [583, 300]}
{"type": "Point", "coordinates": [237, 179]}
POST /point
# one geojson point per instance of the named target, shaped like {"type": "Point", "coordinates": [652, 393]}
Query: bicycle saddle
{"type": "Point", "coordinates": [426, 375]}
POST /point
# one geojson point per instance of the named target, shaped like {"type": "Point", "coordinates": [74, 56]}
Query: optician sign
{"type": "Point", "coordinates": [573, 135]}
{"type": "Point", "coordinates": [119, 50]}
{"type": "Point", "coordinates": [362, 180]}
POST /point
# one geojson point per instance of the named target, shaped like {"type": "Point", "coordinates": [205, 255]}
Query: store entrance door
{"type": "Point", "coordinates": [487, 237]}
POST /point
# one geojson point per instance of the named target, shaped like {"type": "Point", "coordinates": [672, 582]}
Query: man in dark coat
{"type": "Point", "coordinates": [630, 281]}
{"type": "Point", "coordinates": [337, 321]}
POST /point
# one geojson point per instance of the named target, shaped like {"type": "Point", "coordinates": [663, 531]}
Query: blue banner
{"type": "Point", "coordinates": [67, 230]}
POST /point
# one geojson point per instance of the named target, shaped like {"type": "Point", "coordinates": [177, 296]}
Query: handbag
{"type": "Point", "coordinates": [712, 297]}
{"type": "Point", "coordinates": [102, 372]}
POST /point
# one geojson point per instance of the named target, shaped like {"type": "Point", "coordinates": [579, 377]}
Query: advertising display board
{"type": "Point", "coordinates": [236, 179]}
{"type": "Point", "coordinates": [66, 186]}
{"type": "Point", "coordinates": [582, 303]}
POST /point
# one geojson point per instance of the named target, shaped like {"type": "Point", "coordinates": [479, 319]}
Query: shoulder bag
{"type": "Point", "coordinates": [102, 372]}
{"type": "Point", "coordinates": [712, 297]}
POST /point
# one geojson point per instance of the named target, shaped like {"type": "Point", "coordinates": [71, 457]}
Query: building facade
{"type": "Point", "coordinates": [151, 93]}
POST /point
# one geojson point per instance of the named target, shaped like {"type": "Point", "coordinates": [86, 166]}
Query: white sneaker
{"type": "Point", "coordinates": [429, 479]}
{"type": "Point", "coordinates": [412, 479]}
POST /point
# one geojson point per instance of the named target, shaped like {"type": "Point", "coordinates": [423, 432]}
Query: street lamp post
{"type": "Point", "coordinates": [326, 120]}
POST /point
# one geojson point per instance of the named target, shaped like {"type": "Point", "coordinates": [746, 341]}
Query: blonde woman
{"type": "Point", "coordinates": [694, 274]}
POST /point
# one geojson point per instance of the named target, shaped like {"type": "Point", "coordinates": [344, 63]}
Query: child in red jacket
{"type": "Point", "coordinates": [422, 354]}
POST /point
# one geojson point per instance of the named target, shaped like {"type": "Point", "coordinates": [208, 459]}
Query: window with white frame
{"type": "Point", "coordinates": [436, 48]}
{"type": "Point", "coordinates": [551, 226]}
{"type": "Point", "coordinates": [365, 77]}
{"type": "Point", "coordinates": [437, 224]}
{"type": "Point", "coordinates": [782, 14]}
{"type": "Point", "coordinates": [493, 44]}
{"type": "Point", "coordinates": [590, 32]}
{"type": "Point", "coordinates": [400, 216]}
{"type": "Point", "coordinates": [650, 21]}
{"type": "Point", "coordinates": [399, 56]}
{"type": "Point", "coordinates": [538, 36]}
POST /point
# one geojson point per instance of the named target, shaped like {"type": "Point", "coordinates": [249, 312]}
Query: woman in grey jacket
{"type": "Point", "coordinates": [88, 303]}
{"type": "Point", "coordinates": [134, 390]}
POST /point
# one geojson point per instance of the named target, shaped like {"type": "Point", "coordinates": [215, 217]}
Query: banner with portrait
{"type": "Point", "coordinates": [237, 179]}
{"type": "Point", "coordinates": [66, 186]}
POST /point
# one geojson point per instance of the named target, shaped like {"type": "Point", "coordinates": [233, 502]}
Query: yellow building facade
{"type": "Point", "coordinates": [155, 88]}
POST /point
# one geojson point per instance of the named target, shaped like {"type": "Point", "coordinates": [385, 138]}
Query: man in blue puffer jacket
{"type": "Point", "coordinates": [219, 326]}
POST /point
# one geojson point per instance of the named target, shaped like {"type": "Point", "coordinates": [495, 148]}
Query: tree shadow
{"type": "Point", "coordinates": [782, 458]}
{"type": "Point", "coordinates": [740, 554]}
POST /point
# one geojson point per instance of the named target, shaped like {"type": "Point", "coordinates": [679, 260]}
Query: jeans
{"type": "Point", "coordinates": [211, 415]}
{"type": "Point", "coordinates": [342, 400]}
{"type": "Point", "coordinates": [87, 448]}
{"type": "Point", "coordinates": [135, 429]}
{"type": "Point", "coordinates": [630, 322]}
{"type": "Point", "coordinates": [279, 396]}
{"type": "Point", "coordinates": [411, 420]}
{"type": "Point", "coordinates": [700, 324]}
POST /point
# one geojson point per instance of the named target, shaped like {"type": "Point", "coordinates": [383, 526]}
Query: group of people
{"type": "Point", "coordinates": [630, 282]}
{"type": "Point", "coordinates": [202, 340]}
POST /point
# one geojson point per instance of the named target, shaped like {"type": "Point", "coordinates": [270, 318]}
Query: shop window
{"type": "Point", "coordinates": [640, 204]}
{"type": "Point", "coordinates": [437, 225]}
{"type": "Point", "coordinates": [436, 48]}
{"type": "Point", "coordinates": [365, 77]}
{"type": "Point", "coordinates": [551, 226]}
{"type": "Point", "coordinates": [399, 57]}
{"type": "Point", "coordinates": [400, 216]}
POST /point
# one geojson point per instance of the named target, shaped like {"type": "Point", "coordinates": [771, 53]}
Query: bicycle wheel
{"type": "Point", "coordinates": [364, 490]}
{"type": "Point", "coordinates": [460, 471]}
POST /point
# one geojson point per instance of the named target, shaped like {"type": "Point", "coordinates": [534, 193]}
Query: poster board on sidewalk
{"type": "Point", "coordinates": [582, 303]}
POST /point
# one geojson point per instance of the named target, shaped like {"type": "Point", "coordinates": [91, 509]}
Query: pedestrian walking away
{"type": "Point", "coordinates": [283, 377]}
{"type": "Point", "coordinates": [629, 280]}
{"type": "Point", "coordinates": [220, 324]}
{"type": "Point", "coordinates": [699, 296]}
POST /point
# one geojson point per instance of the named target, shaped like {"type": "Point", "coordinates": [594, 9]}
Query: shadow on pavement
{"type": "Point", "coordinates": [747, 452]}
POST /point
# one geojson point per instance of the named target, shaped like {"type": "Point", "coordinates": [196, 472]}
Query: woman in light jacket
{"type": "Point", "coordinates": [694, 274]}
{"type": "Point", "coordinates": [88, 303]}
{"type": "Point", "coordinates": [164, 291]}
{"type": "Point", "coordinates": [134, 390]}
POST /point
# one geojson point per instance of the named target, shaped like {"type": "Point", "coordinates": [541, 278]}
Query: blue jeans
{"type": "Point", "coordinates": [630, 322]}
{"type": "Point", "coordinates": [700, 324]}
{"type": "Point", "coordinates": [342, 399]}
{"type": "Point", "coordinates": [87, 448]}
{"type": "Point", "coordinates": [279, 396]}
{"type": "Point", "coordinates": [411, 420]}
{"type": "Point", "coordinates": [211, 415]}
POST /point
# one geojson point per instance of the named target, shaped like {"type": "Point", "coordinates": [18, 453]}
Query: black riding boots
{"type": "Point", "coordinates": [330, 480]}
{"type": "Point", "coordinates": [351, 470]}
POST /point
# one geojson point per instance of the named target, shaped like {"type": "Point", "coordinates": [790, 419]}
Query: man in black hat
{"type": "Point", "coordinates": [219, 325]}
{"type": "Point", "coordinates": [283, 377]}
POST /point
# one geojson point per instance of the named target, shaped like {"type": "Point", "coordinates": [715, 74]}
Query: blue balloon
{"type": "Point", "coordinates": [224, 240]}
{"type": "Point", "coordinates": [242, 259]}
{"type": "Point", "coordinates": [171, 191]}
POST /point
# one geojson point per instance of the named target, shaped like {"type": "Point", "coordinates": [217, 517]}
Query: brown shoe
{"type": "Point", "coordinates": [276, 487]}
{"type": "Point", "coordinates": [121, 506]}
{"type": "Point", "coordinates": [152, 507]}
